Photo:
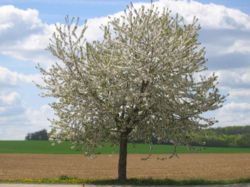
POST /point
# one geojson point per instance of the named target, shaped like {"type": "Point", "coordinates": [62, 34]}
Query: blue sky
{"type": "Point", "coordinates": [25, 27]}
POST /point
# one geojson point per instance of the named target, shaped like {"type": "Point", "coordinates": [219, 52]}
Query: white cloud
{"type": "Point", "coordinates": [233, 114]}
{"type": "Point", "coordinates": [210, 15]}
{"type": "Point", "coordinates": [239, 46]}
{"type": "Point", "coordinates": [16, 121]}
{"type": "Point", "coordinates": [17, 23]}
{"type": "Point", "coordinates": [9, 98]}
{"type": "Point", "coordinates": [240, 93]}
{"type": "Point", "coordinates": [237, 107]}
{"type": "Point", "coordinates": [38, 118]}
{"type": "Point", "coordinates": [23, 35]}
{"type": "Point", "coordinates": [11, 111]}
{"type": "Point", "coordinates": [11, 132]}
{"type": "Point", "coordinates": [239, 78]}
{"type": "Point", "coordinates": [12, 78]}
{"type": "Point", "coordinates": [94, 32]}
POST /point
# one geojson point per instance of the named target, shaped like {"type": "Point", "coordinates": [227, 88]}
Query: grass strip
{"type": "Point", "coordinates": [132, 181]}
{"type": "Point", "coordinates": [45, 147]}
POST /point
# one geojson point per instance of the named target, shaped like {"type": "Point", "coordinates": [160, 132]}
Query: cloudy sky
{"type": "Point", "coordinates": [25, 28]}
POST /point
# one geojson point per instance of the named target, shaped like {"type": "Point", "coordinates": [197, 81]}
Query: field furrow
{"type": "Point", "coordinates": [187, 166]}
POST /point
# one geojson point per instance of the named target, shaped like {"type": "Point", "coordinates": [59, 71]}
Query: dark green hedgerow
{"type": "Point", "coordinates": [143, 181]}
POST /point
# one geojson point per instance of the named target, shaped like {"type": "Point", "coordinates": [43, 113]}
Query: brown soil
{"type": "Point", "coordinates": [187, 166]}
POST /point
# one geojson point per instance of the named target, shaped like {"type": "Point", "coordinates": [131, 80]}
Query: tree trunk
{"type": "Point", "coordinates": [122, 166]}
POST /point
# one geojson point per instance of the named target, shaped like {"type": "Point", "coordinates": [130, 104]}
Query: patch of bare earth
{"type": "Point", "coordinates": [187, 166]}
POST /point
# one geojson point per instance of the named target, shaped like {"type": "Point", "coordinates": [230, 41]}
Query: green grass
{"type": "Point", "coordinates": [45, 147]}
{"type": "Point", "coordinates": [36, 147]}
{"type": "Point", "coordinates": [142, 181]}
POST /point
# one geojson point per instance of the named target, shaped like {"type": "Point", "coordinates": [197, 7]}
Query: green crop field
{"type": "Point", "coordinates": [45, 147]}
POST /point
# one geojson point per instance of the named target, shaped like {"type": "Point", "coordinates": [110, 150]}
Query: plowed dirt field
{"type": "Point", "coordinates": [187, 166]}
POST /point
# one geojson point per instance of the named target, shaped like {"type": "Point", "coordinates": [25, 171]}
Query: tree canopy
{"type": "Point", "coordinates": [38, 135]}
{"type": "Point", "coordinates": [143, 78]}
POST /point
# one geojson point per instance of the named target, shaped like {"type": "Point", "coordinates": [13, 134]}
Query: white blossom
{"type": "Point", "coordinates": [139, 79]}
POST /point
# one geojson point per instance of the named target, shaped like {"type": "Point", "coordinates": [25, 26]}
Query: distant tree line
{"type": "Point", "coordinates": [39, 135]}
{"type": "Point", "coordinates": [236, 136]}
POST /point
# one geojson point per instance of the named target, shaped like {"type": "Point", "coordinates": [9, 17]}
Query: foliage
{"type": "Point", "coordinates": [143, 78]}
{"type": "Point", "coordinates": [244, 140]}
{"type": "Point", "coordinates": [237, 136]}
{"type": "Point", "coordinates": [139, 80]}
{"type": "Point", "coordinates": [39, 135]}
{"type": "Point", "coordinates": [232, 130]}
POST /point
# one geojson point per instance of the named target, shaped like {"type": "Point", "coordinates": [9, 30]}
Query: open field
{"type": "Point", "coordinates": [45, 147]}
{"type": "Point", "coordinates": [187, 166]}
{"type": "Point", "coordinates": [38, 159]}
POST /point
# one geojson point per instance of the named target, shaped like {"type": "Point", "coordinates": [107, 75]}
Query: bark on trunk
{"type": "Point", "coordinates": [122, 166]}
